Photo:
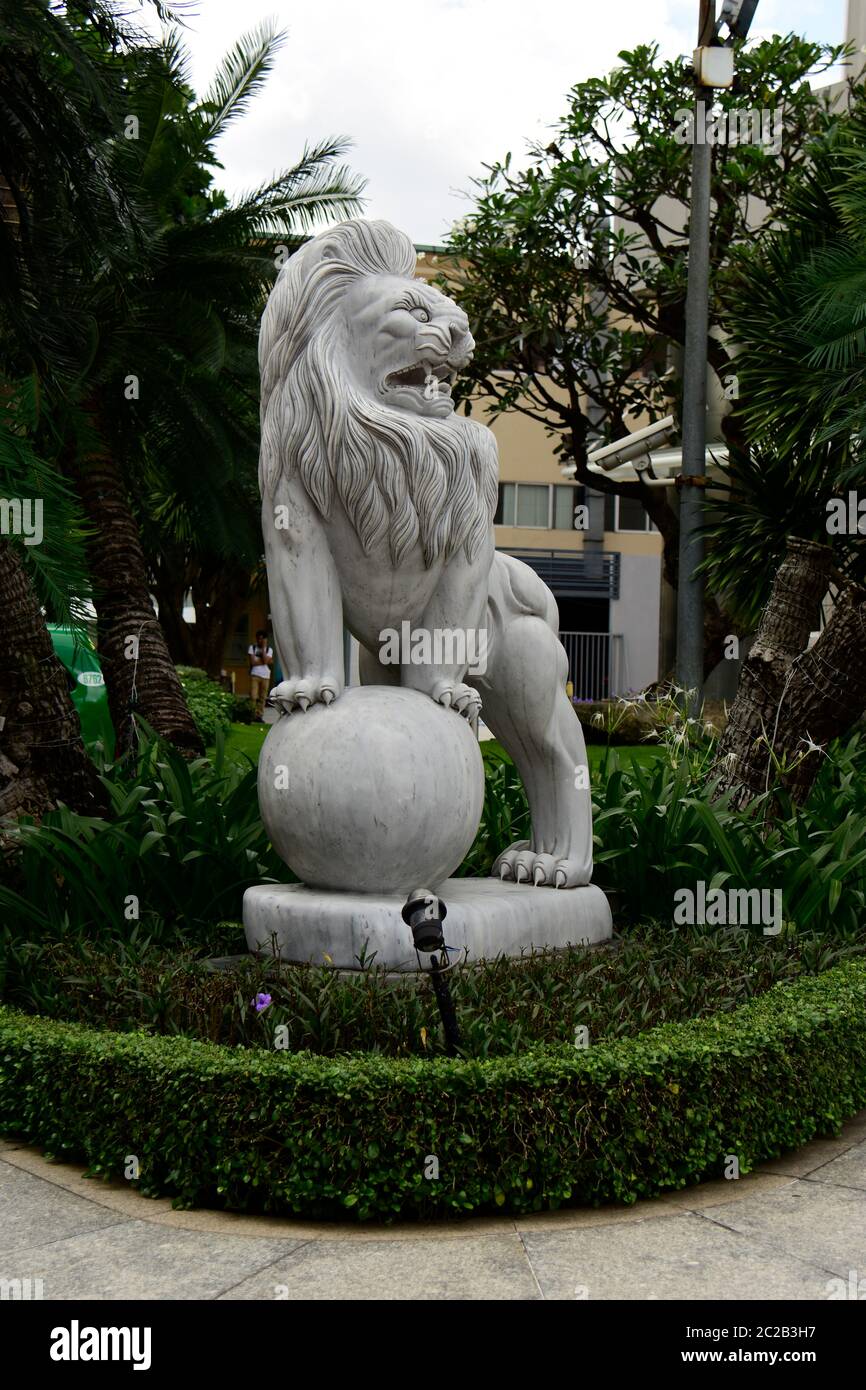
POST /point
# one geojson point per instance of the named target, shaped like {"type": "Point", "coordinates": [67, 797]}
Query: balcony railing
{"type": "Point", "coordinates": [595, 663]}
{"type": "Point", "coordinates": [575, 573]}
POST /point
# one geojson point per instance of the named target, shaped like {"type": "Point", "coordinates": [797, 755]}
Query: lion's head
{"type": "Point", "coordinates": [357, 359]}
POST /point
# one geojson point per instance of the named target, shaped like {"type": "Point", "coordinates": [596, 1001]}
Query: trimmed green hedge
{"type": "Point", "coordinates": [322, 1136]}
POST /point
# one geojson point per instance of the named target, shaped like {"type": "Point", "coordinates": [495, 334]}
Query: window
{"type": "Point", "coordinates": [565, 499]}
{"type": "Point", "coordinates": [533, 505]}
{"type": "Point", "coordinates": [625, 514]}
{"type": "Point", "coordinates": [544, 506]}
{"type": "Point", "coordinates": [506, 506]}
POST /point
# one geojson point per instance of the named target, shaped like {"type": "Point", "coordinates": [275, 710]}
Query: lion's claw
{"type": "Point", "coordinates": [292, 695]}
{"type": "Point", "coordinates": [459, 697]}
{"type": "Point", "coordinates": [523, 865]}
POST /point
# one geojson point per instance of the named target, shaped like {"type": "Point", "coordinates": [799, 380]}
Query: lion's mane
{"type": "Point", "coordinates": [399, 476]}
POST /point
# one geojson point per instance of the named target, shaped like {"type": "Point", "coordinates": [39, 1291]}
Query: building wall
{"type": "Point", "coordinates": [526, 455]}
{"type": "Point", "coordinates": [636, 615]}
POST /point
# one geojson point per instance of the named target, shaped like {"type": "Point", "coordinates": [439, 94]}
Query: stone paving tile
{"type": "Point", "coordinates": [34, 1212]}
{"type": "Point", "coordinates": [479, 1267]}
{"type": "Point", "coordinates": [806, 1160]}
{"type": "Point", "coordinates": [848, 1170]}
{"type": "Point", "coordinates": [813, 1221]}
{"type": "Point", "coordinates": [682, 1256]}
{"type": "Point", "coordinates": [852, 1132]}
{"type": "Point", "coordinates": [135, 1259]}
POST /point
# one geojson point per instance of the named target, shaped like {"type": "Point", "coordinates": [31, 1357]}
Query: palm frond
{"type": "Point", "coordinates": [241, 74]}
{"type": "Point", "coordinates": [833, 287]}
{"type": "Point", "coordinates": [310, 192]}
{"type": "Point", "coordinates": [32, 486]}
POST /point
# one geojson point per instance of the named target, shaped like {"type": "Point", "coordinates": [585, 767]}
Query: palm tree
{"type": "Point", "coordinates": [42, 757]}
{"type": "Point", "coordinates": [55, 104]}
{"type": "Point", "coordinates": [798, 310]}
{"type": "Point", "coordinates": [182, 324]}
{"type": "Point", "coordinates": [161, 281]}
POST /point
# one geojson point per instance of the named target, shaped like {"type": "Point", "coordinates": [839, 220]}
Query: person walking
{"type": "Point", "coordinates": [261, 658]}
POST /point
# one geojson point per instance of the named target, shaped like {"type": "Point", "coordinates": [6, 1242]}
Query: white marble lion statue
{"type": "Point", "coordinates": [377, 510]}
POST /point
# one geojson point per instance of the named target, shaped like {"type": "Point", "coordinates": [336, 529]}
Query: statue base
{"type": "Point", "coordinates": [486, 916]}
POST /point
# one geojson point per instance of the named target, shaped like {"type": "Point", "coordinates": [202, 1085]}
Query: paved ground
{"type": "Point", "coordinates": [791, 1231]}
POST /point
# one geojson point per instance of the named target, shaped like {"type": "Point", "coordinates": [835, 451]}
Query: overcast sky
{"type": "Point", "coordinates": [429, 92]}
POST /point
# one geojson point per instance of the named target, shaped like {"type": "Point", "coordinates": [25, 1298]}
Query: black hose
{"type": "Point", "coordinates": [448, 1014]}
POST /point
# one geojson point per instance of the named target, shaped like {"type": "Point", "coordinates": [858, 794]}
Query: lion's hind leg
{"type": "Point", "coordinates": [526, 707]}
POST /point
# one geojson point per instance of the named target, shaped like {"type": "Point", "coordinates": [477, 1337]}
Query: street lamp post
{"type": "Point", "coordinates": [713, 69]}
{"type": "Point", "coordinates": [690, 585]}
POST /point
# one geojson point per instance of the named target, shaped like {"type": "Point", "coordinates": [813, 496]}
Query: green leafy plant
{"type": "Point", "coordinates": [181, 843]}
{"type": "Point", "coordinates": [505, 817]}
{"type": "Point", "coordinates": [210, 705]}
{"type": "Point", "coordinates": [243, 711]}
{"type": "Point", "coordinates": [657, 829]}
{"type": "Point", "coordinates": [657, 974]}
{"type": "Point", "coordinates": [287, 1132]}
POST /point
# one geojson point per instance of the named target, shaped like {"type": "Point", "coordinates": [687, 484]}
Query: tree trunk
{"type": "Point", "coordinates": [138, 669]}
{"type": "Point", "coordinates": [43, 760]}
{"type": "Point", "coordinates": [718, 626]}
{"type": "Point", "coordinates": [766, 716]}
{"type": "Point", "coordinates": [826, 694]}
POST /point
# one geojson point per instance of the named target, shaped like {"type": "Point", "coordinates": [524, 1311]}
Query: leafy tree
{"type": "Point", "coordinates": [173, 380]}
{"type": "Point", "coordinates": [574, 268]}
{"type": "Point", "coordinates": [796, 309]}
{"type": "Point", "coordinates": [42, 755]}
{"type": "Point", "coordinates": [56, 104]}
{"type": "Point", "coordinates": [141, 331]}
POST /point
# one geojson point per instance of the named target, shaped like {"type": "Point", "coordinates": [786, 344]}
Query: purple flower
{"type": "Point", "coordinates": [261, 1002]}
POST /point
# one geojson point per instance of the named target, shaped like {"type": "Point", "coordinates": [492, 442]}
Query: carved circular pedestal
{"type": "Point", "coordinates": [379, 792]}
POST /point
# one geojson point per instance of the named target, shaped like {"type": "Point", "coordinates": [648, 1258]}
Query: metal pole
{"type": "Point", "coordinates": [690, 587]}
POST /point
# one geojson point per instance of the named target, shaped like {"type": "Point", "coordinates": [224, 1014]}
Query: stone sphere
{"type": "Point", "coordinates": [379, 792]}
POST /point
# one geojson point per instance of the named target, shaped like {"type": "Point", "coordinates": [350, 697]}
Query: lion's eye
{"type": "Point", "coordinates": [420, 314]}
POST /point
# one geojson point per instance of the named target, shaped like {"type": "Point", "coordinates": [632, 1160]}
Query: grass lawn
{"type": "Point", "coordinates": [628, 753]}
{"type": "Point", "coordinates": [245, 741]}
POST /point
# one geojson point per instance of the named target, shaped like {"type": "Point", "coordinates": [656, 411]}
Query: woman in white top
{"type": "Point", "coordinates": [261, 658]}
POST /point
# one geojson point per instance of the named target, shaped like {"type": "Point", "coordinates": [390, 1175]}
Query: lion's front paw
{"type": "Point", "coordinates": [522, 865]}
{"type": "Point", "coordinates": [293, 695]}
{"type": "Point", "coordinates": [457, 696]}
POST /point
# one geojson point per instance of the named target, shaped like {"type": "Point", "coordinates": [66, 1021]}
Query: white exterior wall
{"type": "Point", "coordinates": [636, 615]}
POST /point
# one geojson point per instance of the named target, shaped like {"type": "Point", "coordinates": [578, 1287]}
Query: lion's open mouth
{"type": "Point", "coordinates": [423, 377]}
